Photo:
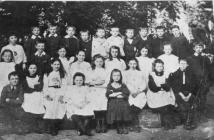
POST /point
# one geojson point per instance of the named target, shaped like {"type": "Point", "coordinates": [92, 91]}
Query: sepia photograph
{"type": "Point", "coordinates": [107, 70]}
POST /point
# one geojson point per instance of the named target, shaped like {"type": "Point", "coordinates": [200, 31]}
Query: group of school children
{"type": "Point", "coordinates": [111, 80]}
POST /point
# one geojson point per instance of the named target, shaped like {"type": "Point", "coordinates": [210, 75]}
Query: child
{"type": "Point", "coordinates": [40, 58]}
{"type": "Point", "coordinates": [7, 66]}
{"type": "Point", "coordinates": [160, 97]}
{"type": "Point", "coordinates": [33, 97]}
{"type": "Point", "coordinates": [71, 42]}
{"type": "Point", "coordinates": [79, 104]}
{"type": "Point", "coordinates": [80, 66]}
{"type": "Point", "coordinates": [98, 43]}
{"type": "Point", "coordinates": [65, 61]}
{"type": "Point", "coordinates": [171, 63]}
{"type": "Point", "coordinates": [136, 84]}
{"type": "Point", "coordinates": [30, 44]}
{"type": "Point", "coordinates": [54, 89]}
{"type": "Point", "coordinates": [115, 40]}
{"type": "Point", "coordinates": [86, 44]}
{"type": "Point", "coordinates": [98, 90]}
{"type": "Point", "coordinates": [118, 106]}
{"type": "Point", "coordinates": [183, 84]}
{"type": "Point", "coordinates": [130, 44]}
{"type": "Point", "coordinates": [53, 41]}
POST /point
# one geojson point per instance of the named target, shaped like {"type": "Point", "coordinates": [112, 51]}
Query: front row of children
{"type": "Point", "coordinates": [123, 99]}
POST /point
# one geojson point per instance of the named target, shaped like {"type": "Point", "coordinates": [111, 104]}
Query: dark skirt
{"type": "Point", "coordinates": [118, 110]}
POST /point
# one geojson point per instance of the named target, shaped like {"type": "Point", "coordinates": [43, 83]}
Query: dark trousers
{"type": "Point", "coordinates": [82, 123]}
{"type": "Point", "coordinates": [135, 111]}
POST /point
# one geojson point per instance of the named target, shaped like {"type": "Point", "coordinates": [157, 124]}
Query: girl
{"type": "Point", "coordinates": [65, 61]}
{"type": "Point", "coordinates": [145, 63]}
{"type": "Point", "coordinates": [160, 97]}
{"type": "Point", "coordinates": [98, 43]}
{"type": "Point", "coordinates": [79, 66]}
{"type": "Point", "coordinates": [79, 105]}
{"type": "Point", "coordinates": [98, 90]}
{"type": "Point", "coordinates": [6, 66]}
{"type": "Point", "coordinates": [118, 106]}
{"type": "Point", "coordinates": [54, 89]}
{"type": "Point", "coordinates": [33, 97]}
{"type": "Point", "coordinates": [136, 84]}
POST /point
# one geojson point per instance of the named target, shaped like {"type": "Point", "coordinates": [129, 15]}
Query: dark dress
{"type": "Point", "coordinates": [130, 49]}
{"type": "Point", "coordinates": [87, 47]}
{"type": "Point", "coordinates": [118, 108]}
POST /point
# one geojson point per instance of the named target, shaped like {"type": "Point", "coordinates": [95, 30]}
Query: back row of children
{"type": "Point", "coordinates": [117, 80]}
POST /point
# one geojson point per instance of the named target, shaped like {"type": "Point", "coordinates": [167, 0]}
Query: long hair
{"type": "Point", "coordinates": [61, 69]}
{"type": "Point", "coordinates": [133, 59]}
{"type": "Point", "coordinates": [111, 77]}
{"type": "Point", "coordinates": [28, 65]}
{"type": "Point", "coordinates": [118, 56]}
{"type": "Point", "coordinates": [93, 66]}
{"type": "Point", "coordinates": [79, 74]}
{"type": "Point", "coordinates": [155, 62]}
{"type": "Point", "coordinates": [7, 50]}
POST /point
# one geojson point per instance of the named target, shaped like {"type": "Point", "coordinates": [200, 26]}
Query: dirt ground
{"type": "Point", "coordinates": [205, 131]}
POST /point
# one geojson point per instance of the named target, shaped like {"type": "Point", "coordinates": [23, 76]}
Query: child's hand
{"type": "Point", "coordinates": [119, 96]}
{"type": "Point", "coordinates": [23, 66]}
{"type": "Point", "coordinates": [7, 100]}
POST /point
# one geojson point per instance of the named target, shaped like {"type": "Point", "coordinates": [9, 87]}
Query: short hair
{"type": "Point", "coordinates": [158, 61]}
{"type": "Point", "coordinates": [175, 26]}
{"type": "Point", "coordinates": [183, 59]}
{"type": "Point", "coordinates": [32, 28]}
{"type": "Point", "coordinates": [198, 44]}
{"type": "Point", "coordinates": [142, 28]}
{"type": "Point", "coordinates": [14, 73]}
{"type": "Point", "coordinates": [74, 28]}
{"type": "Point", "coordinates": [100, 28]}
{"type": "Point", "coordinates": [130, 29]}
{"type": "Point", "coordinates": [167, 44]}
{"type": "Point", "coordinates": [84, 31]}
{"type": "Point", "coordinates": [79, 74]}
{"type": "Point", "coordinates": [12, 34]}
{"type": "Point", "coordinates": [40, 41]}
{"type": "Point", "coordinates": [160, 27]}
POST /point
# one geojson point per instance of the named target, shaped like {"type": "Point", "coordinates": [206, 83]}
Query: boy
{"type": "Point", "coordinates": [179, 43]}
{"type": "Point", "coordinates": [115, 40]}
{"type": "Point", "coordinates": [183, 85]}
{"type": "Point", "coordinates": [40, 58]}
{"type": "Point", "coordinates": [70, 41]}
{"type": "Point", "coordinates": [200, 65]}
{"type": "Point", "coordinates": [130, 44]}
{"type": "Point", "coordinates": [86, 44]}
{"type": "Point", "coordinates": [29, 45]}
{"type": "Point", "coordinates": [53, 41]}
{"type": "Point", "coordinates": [157, 42]}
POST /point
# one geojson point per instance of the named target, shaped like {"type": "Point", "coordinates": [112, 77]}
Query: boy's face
{"type": "Point", "coordinates": [36, 31]}
{"type": "Point", "coordinates": [116, 76]}
{"type": "Point", "coordinates": [62, 52]}
{"type": "Point", "coordinates": [32, 69]}
{"type": "Point", "coordinates": [52, 29]}
{"type": "Point", "coordinates": [78, 80]}
{"type": "Point", "coordinates": [81, 56]}
{"type": "Point", "coordinates": [144, 52]}
{"type": "Point", "coordinates": [70, 31]}
{"type": "Point", "coordinates": [198, 49]}
{"type": "Point", "coordinates": [114, 53]}
{"type": "Point", "coordinates": [114, 32]}
{"type": "Point", "coordinates": [183, 65]}
{"type": "Point", "coordinates": [13, 39]}
{"type": "Point", "coordinates": [84, 36]}
{"type": "Point", "coordinates": [40, 47]}
{"type": "Point", "coordinates": [55, 66]}
{"type": "Point", "coordinates": [167, 49]}
{"type": "Point", "coordinates": [7, 57]}
{"type": "Point", "coordinates": [132, 64]}
{"type": "Point", "coordinates": [130, 34]}
{"type": "Point", "coordinates": [101, 33]}
{"type": "Point", "coordinates": [143, 32]}
{"type": "Point", "coordinates": [160, 32]}
{"type": "Point", "coordinates": [159, 67]}
{"type": "Point", "coordinates": [176, 32]}
{"type": "Point", "coordinates": [99, 62]}
{"type": "Point", "coordinates": [14, 80]}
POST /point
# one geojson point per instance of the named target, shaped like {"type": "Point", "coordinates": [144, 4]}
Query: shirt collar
{"type": "Point", "coordinates": [68, 36]}
{"type": "Point", "coordinates": [34, 36]}
{"type": "Point", "coordinates": [196, 54]}
{"type": "Point", "coordinates": [55, 35]}
{"type": "Point", "coordinates": [37, 53]}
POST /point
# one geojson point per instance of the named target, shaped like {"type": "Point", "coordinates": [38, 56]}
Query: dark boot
{"type": "Point", "coordinates": [103, 126]}
{"type": "Point", "coordinates": [87, 126]}
{"type": "Point", "coordinates": [125, 129]}
{"type": "Point", "coordinates": [47, 126]}
{"type": "Point", "coordinates": [98, 126]}
{"type": "Point", "coordinates": [54, 130]}
{"type": "Point", "coordinates": [119, 128]}
{"type": "Point", "coordinates": [79, 125]}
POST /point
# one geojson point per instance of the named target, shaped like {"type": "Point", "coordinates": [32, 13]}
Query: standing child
{"type": "Point", "coordinates": [118, 106]}
{"type": "Point", "coordinates": [7, 66]}
{"type": "Point", "coordinates": [86, 44]}
{"type": "Point", "coordinates": [136, 83]}
{"type": "Point", "coordinates": [98, 90]}
{"type": "Point", "coordinates": [160, 97]}
{"type": "Point", "coordinates": [115, 40]}
{"type": "Point", "coordinates": [183, 84]}
{"type": "Point", "coordinates": [54, 89]}
{"type": "Point", "coordinates": [71, 42]}
{"type": "Point", "coordinates": [98, 43]}
{"type": "Point", "coordinates": [171, 63]}
{"type": "Point", "coordinates": [79, 104]}
{"type": "Point", "coordinates": [130, 45]}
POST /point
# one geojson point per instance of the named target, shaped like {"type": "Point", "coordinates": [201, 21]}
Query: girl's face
{"type": "Point", "coordinates": [159, 67]}
{"type": "Point", "coordinates": [55, 65]}
{"type": "Point", "coordinates": [32, 69]}
{"type": "Point", "coordinates": [130, 34]}
{"type": "Point", "coordinates": [78, 80]}
{"type": "Point", "coordinates": [100, 33]}
{"type": "Point", "coordinates": [13, 39]}
{"type": "Point", "coordinates": [36, 31]}
{"type": "Point", "coordinates": [183, 65]}
{"type": "Point", "coordinates": [84, 36]}
{"type": "Point", "coordinates": [198, 49]}
{"type": "Point", "coordinates": [7, 57]}
{"type": "Point", "coordinates": [167, 49]}
{"type": "Point", "coordinates": [144, 52]}
{"type": "Point", "coordinates": [115, 32]}
{"type": "Point", "coordinates": [116, 76]}
{"type": "Point", "coordinates": [70, 31]}
{"type": "Point", "coordinates": [62, 52]}
{"type": "Point", "coordinates": [114, 53]}
{"type": "Point", "coordinates": [99, 62]}
{"type": "Point", "coordinates": [143, 32]}
{"type": "Point", "coordinates": [81, 56]}
{"type": "Point", "coordinates": [132, 64]}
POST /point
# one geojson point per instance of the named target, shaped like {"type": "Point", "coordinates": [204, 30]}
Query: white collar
{"type": "Point", "coordinates": [55, 35]}
{"type": "Point", "coordinates": [67, 36]}
{"type": "Point", "coordinates": [34, 36]}
{"type": "Point", "coordinates": [196, 54]}
{"type": "Point", "coordinates": [37, 53]}
{"type": "Point", "coordinates": [144, 38]}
